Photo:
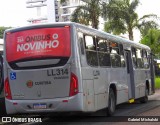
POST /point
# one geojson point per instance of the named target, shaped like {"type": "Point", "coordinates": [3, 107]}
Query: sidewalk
{"type": "Point", "coordinates": [156, 95]}
{"type": "Point", "coordinates": [155, 111]}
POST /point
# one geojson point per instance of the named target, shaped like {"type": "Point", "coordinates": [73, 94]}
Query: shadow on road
{"type": "Point", "coordinates": [2, 107]}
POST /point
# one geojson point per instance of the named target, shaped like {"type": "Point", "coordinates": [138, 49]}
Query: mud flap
{"type": "Point", "coordinates": [131, 100]}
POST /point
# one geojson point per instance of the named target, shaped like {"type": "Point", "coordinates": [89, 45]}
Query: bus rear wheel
{"type": "Point", "coordinates": [145, 98]}
{"type": "Point", "coordinates": [111, 103]}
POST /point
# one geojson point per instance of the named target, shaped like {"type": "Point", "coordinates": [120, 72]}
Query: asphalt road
{"type": "Point", "coordinates": [123, 112]}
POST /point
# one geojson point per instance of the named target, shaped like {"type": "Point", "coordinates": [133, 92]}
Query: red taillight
{"type": "Point", "coordinates": [73, 85]}
{"type": "Point", "coordinates": [7, 89]}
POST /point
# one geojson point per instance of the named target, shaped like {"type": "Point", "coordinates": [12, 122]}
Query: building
{"type": "Point", "coordinates": [49, 7]}
{"type": "Point", "coordinates": [55, 11]}
{"type": "Point", "coordinates": [68, 7]}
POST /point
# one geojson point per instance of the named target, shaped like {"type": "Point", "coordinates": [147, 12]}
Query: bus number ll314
{"type": "Point", "coordinates": [57, 72]}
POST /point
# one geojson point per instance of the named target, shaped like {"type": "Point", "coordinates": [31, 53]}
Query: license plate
{"type": "Point", "coordinates": [39, 106]}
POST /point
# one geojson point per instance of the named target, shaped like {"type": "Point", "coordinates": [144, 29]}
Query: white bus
{"type": "Point", "coordinates": [68, 67]}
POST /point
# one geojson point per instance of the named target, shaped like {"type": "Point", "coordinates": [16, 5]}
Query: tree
{"type": "Point", "coordinates": [88, 13]}
{"type": "Point", "coordinates": [122, 18]}
{"type": "Point", "coordinates": [81, 16]}
{"type": "Point", "coordinates": [152, 39]}
{"type": "Point", "coordinates": [2, 29]}
{"type": "Point", "coordinates": [62, 1]}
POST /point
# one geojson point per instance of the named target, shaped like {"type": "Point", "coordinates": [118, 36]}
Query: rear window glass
{"type": "Point", "coordinates": [37, 43]}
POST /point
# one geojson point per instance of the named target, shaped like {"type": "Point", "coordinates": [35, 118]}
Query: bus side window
{"type": "Point", "coordinates": [115, 57]}
{"type": "Point", "coordinates": [122, 55]}
{"type": "Point", "coordinates": [139, 58]}
{"type": "Point", "coordinates": [134, 58]}
{"type": "Point", "coordinates": [81, 42]}
{"type": "Point", "coordinates": [103, 53]}
{"type": "Point", "coordinates": [145, 59]}
{"type": "Point", "coordinates": [91, 52]}
{"type": "Point", "coordinates": [148, 58]}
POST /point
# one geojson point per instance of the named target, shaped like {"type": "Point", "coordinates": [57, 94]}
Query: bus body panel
{"type": "Point", "coordinates": [67, 104]}
{"type": "Point", "coordinates": [40, 84]}
{"type": "Point", "coordinates": [95, 86]}
{"type": "Point", "coordinates": [118, 76]}
{"type": "Point", "coordinates": [140, 77]}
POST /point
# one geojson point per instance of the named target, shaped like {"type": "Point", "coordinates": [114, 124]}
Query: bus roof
{"type": "Point", "coordinates": [83, 28]}
{"type": "Point", "coordinates": [114, 37]}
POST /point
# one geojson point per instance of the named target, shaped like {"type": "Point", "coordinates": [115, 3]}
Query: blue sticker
{"type": "Point", "coordinates": [12, 75]}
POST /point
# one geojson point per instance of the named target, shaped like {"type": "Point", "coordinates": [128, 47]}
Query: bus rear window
{"type": "Point", "coordinates": [38, 43]}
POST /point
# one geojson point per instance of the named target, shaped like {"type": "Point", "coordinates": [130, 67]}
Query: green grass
{"type": "Point", "coordinates": [157, 82]}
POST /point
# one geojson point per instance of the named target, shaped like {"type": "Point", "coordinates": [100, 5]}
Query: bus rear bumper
{"type": "Point", "coordinates": [67, 104]}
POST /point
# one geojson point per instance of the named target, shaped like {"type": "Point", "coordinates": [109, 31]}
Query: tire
{"type": "Point", "coordinates": [111, 103]}
{"type": "Point", "coordinates": [145, 98]}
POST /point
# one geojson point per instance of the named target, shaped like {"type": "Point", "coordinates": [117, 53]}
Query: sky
{"type": "Point", "coordinates": [14, 12]}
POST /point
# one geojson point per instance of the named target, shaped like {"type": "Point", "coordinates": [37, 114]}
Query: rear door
{"type": "Point", "coordinates": [130, 75]}
{"type": "Point", "coordinates": [38, 65]}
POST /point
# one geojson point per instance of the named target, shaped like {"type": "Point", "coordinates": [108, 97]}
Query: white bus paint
{"type": "Point", "coordinates": [98, 71]}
